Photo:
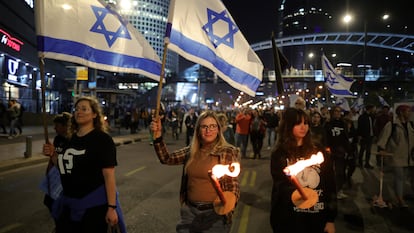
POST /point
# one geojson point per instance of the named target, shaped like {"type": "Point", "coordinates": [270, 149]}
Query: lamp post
{"type": "Point", "coordinates": [364, 57]}
{"type": "Point", "coordinates": [347, 19]}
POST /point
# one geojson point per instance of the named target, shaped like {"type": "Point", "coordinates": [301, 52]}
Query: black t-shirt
{"type": "Point", "coordinates": [81, 163]}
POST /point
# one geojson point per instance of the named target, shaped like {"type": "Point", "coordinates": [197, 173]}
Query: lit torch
{"type": "Point", "coordinates": [226, 200]}
{"type": "Point", "coordinates": [303, 197]}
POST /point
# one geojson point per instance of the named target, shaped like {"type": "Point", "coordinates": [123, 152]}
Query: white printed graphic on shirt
{"type": "Point", "coordinates": [65, 161]}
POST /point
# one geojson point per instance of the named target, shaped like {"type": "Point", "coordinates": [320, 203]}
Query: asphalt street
{"type": "Point", "coordinates": [357, 213]}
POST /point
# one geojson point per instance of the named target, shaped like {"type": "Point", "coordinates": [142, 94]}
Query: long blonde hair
{"type": "Point", "coordinates": [196, 142]}
{"type": "Point", "coordinates": [98, 121]}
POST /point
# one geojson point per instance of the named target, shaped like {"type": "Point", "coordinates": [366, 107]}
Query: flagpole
{"type": "Point", "coordinates": [278, 69]}
{"type": "Point", "coordinates": [43, 84]}
{"type": "Point", "coordinates": [164, 58]}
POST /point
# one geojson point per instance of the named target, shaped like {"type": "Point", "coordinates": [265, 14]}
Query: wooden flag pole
{"type": "Point", "coordinates": [43, 83]}
{"type": "Point", "coordinates": [164, 58]}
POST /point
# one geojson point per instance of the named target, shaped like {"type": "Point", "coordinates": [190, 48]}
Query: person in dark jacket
{"type": "Point", "coordinates": [366, 135]}
{"type": "Point", "coordinates": [295, 144]}
{"type": "Point", "coordinates": [339, 146]}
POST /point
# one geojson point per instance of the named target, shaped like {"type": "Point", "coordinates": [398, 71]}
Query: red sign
{"type": "Point", "coordinates": [10, 41]}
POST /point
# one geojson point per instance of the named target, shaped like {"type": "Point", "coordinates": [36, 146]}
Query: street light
{"type": "Point", "coordinates": [347, 19]}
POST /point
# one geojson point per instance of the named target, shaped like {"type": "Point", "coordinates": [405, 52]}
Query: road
{"type": "Point", "coordinates": [149, 197]}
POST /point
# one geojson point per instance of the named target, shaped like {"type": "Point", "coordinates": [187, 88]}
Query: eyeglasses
{"type": "Point", "coordinates": [84, 109]}
{"type": "Point", "coordinates": [209, 127]}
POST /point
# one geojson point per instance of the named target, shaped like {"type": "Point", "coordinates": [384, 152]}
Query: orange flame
{"type": "Point", "coordinates": [232, 170]}
{"type": "Point", "coordinates": [294, 169]}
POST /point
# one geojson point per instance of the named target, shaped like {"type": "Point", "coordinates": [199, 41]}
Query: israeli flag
{"type": "Point", "coordinates": [342, 103]}
{"type": "Point", "coordinates": [338, 84]}
{"type": "Point", "coordinates": [358, 104]}
{"type": "Point", "coordinates": [91, 33]}
{"type": "Point", "coordinates": [204, 32]}
{"type": "Point", "coordinates": [382, 101]}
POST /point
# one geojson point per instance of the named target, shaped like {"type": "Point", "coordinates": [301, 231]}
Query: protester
{"type": "Point", "coordinates": [397, 138]}
{"type": "Point", "coordinates": [228, 132]}
{"type": "Point", "coordinates": [300, 103]}
{"type": "Point", "coordinates": [190, 121]}
{"type": "Point", "coordinates": [13, 113]}
{"type": "Point", "coordinates": [272, 122]}
{"type": "Point", "coordinates": [197, 194]}
{"type": "Point", "coordinates": [257, 132]}
{"type": "Point", "coordinates": [366, 135]}
{"type": "Point", "coordinates": [339, 146]}
{"type": "Point", "coordinates": [3, 113]}
{"type": "Point", "coordinates": [295, 144]}
{"type": "Point", "coordinates": [60, 142]}
{"type": "Point", "coordinates": [318, 131]}
{"type": "Point", "coordinates": [351, 157]}
{"type": "Point", "coordinates": [87, 171]}
{"type": "Point", "coordinates": [242, 120]}
{"type": "Point", "coordinates": [380, 121]}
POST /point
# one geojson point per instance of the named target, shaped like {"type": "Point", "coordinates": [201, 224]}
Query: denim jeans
{"type": "Point", "coordinates": [206, 221]}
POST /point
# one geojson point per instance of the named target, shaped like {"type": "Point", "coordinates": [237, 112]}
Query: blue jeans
{"type": "Point", "coordinates": [241, 141]}
{"type": "Point", "coordinates": [194, 220]}
{"type": "Point", "coordinates": [271, 135]}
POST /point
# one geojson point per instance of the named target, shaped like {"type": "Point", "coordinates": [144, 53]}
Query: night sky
{"type": "Point", "coordinates": [258, 18]}
{"type": "Point", "coordinates": [255, 18]}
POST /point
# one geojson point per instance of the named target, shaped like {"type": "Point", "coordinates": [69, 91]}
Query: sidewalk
{"type": "Point", "coordinates": [13, 151]}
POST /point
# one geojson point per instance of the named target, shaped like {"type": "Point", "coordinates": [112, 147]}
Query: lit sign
{"type": "Point", "coordinates": [10, 41]}
{"type": "Point", "coordinates": [12, 68]}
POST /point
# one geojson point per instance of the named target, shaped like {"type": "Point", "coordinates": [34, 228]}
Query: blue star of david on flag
{"type": "Point", "coordinates": [338, 84]}
{"type": "Point", "coordinates": [215, 17]}
{"type": "Point", "coordinates": [330, 79]}
{"type": "Point", "coordinates": [99, 27]}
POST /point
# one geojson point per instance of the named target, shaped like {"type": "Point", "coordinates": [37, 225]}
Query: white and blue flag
{"type": "Point", "coordinates": [358, 104]}
{"type": "Point", "coordinates": [382, 101]}
{"type": "Point", "coordinates": [91, 33]}
{"type": "Point", "coordinates": [342, 103]}
{"type": "Point", "coordinates": [338, 84]}
{"type": "Point", "coordinates": [204, 32]}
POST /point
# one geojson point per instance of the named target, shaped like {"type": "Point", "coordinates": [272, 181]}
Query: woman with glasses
{"type": "Point", "coordinates": [197, 194]}
{"type": "Point", "coordinates": [87, 172]}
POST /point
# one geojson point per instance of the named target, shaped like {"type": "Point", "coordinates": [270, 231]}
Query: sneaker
{"type": "Point", "coordinates": [341, 195]}
{"type": "Point", "coordinates": [10, 137]}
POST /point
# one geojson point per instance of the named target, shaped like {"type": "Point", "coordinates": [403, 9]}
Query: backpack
{"type": "Point", "coordinates": [394, 125]}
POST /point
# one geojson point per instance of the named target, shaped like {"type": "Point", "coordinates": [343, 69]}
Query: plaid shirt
{"type": "Point", "coordinates": [225, 155]}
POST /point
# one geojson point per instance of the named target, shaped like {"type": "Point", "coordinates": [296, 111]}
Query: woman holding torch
{"type": "Point", "coordinates": [207, 201]}
{"type": "Point", "coordinates": [295, 147]}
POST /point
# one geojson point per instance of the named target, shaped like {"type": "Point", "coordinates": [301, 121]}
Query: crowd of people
{"type": "Point", "coordinates": [11, 116]}
{"type": "Point", "coordinates": [294, 134]}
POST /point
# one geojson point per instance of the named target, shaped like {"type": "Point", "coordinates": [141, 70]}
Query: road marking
{"type": "Point", "coordinates": [135, 171]}
{"type": "Point", "coordinates": [244, 219]}
{"type": "Point", "coordinates": [244, 178]}
{"type": "Point", "coordinates": [253, 179]}
{"type": "Point", "coordinates": [10, 227]}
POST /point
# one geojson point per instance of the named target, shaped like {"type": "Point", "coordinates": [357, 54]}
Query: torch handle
{"type": "Point", "coordinates": [217, 187]}
{"type": "Point", "coordinates": [298, 187]}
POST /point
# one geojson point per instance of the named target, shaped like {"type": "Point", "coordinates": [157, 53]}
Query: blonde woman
{"type": "Point", "coordinates": [207, 148]}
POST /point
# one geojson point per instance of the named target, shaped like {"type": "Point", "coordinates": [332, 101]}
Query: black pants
{"type": "Point", "coordinates": [365, 146]}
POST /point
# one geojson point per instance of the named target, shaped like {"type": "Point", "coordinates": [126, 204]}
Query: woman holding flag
{"type": "Point", "coordinates": [207, 149]}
